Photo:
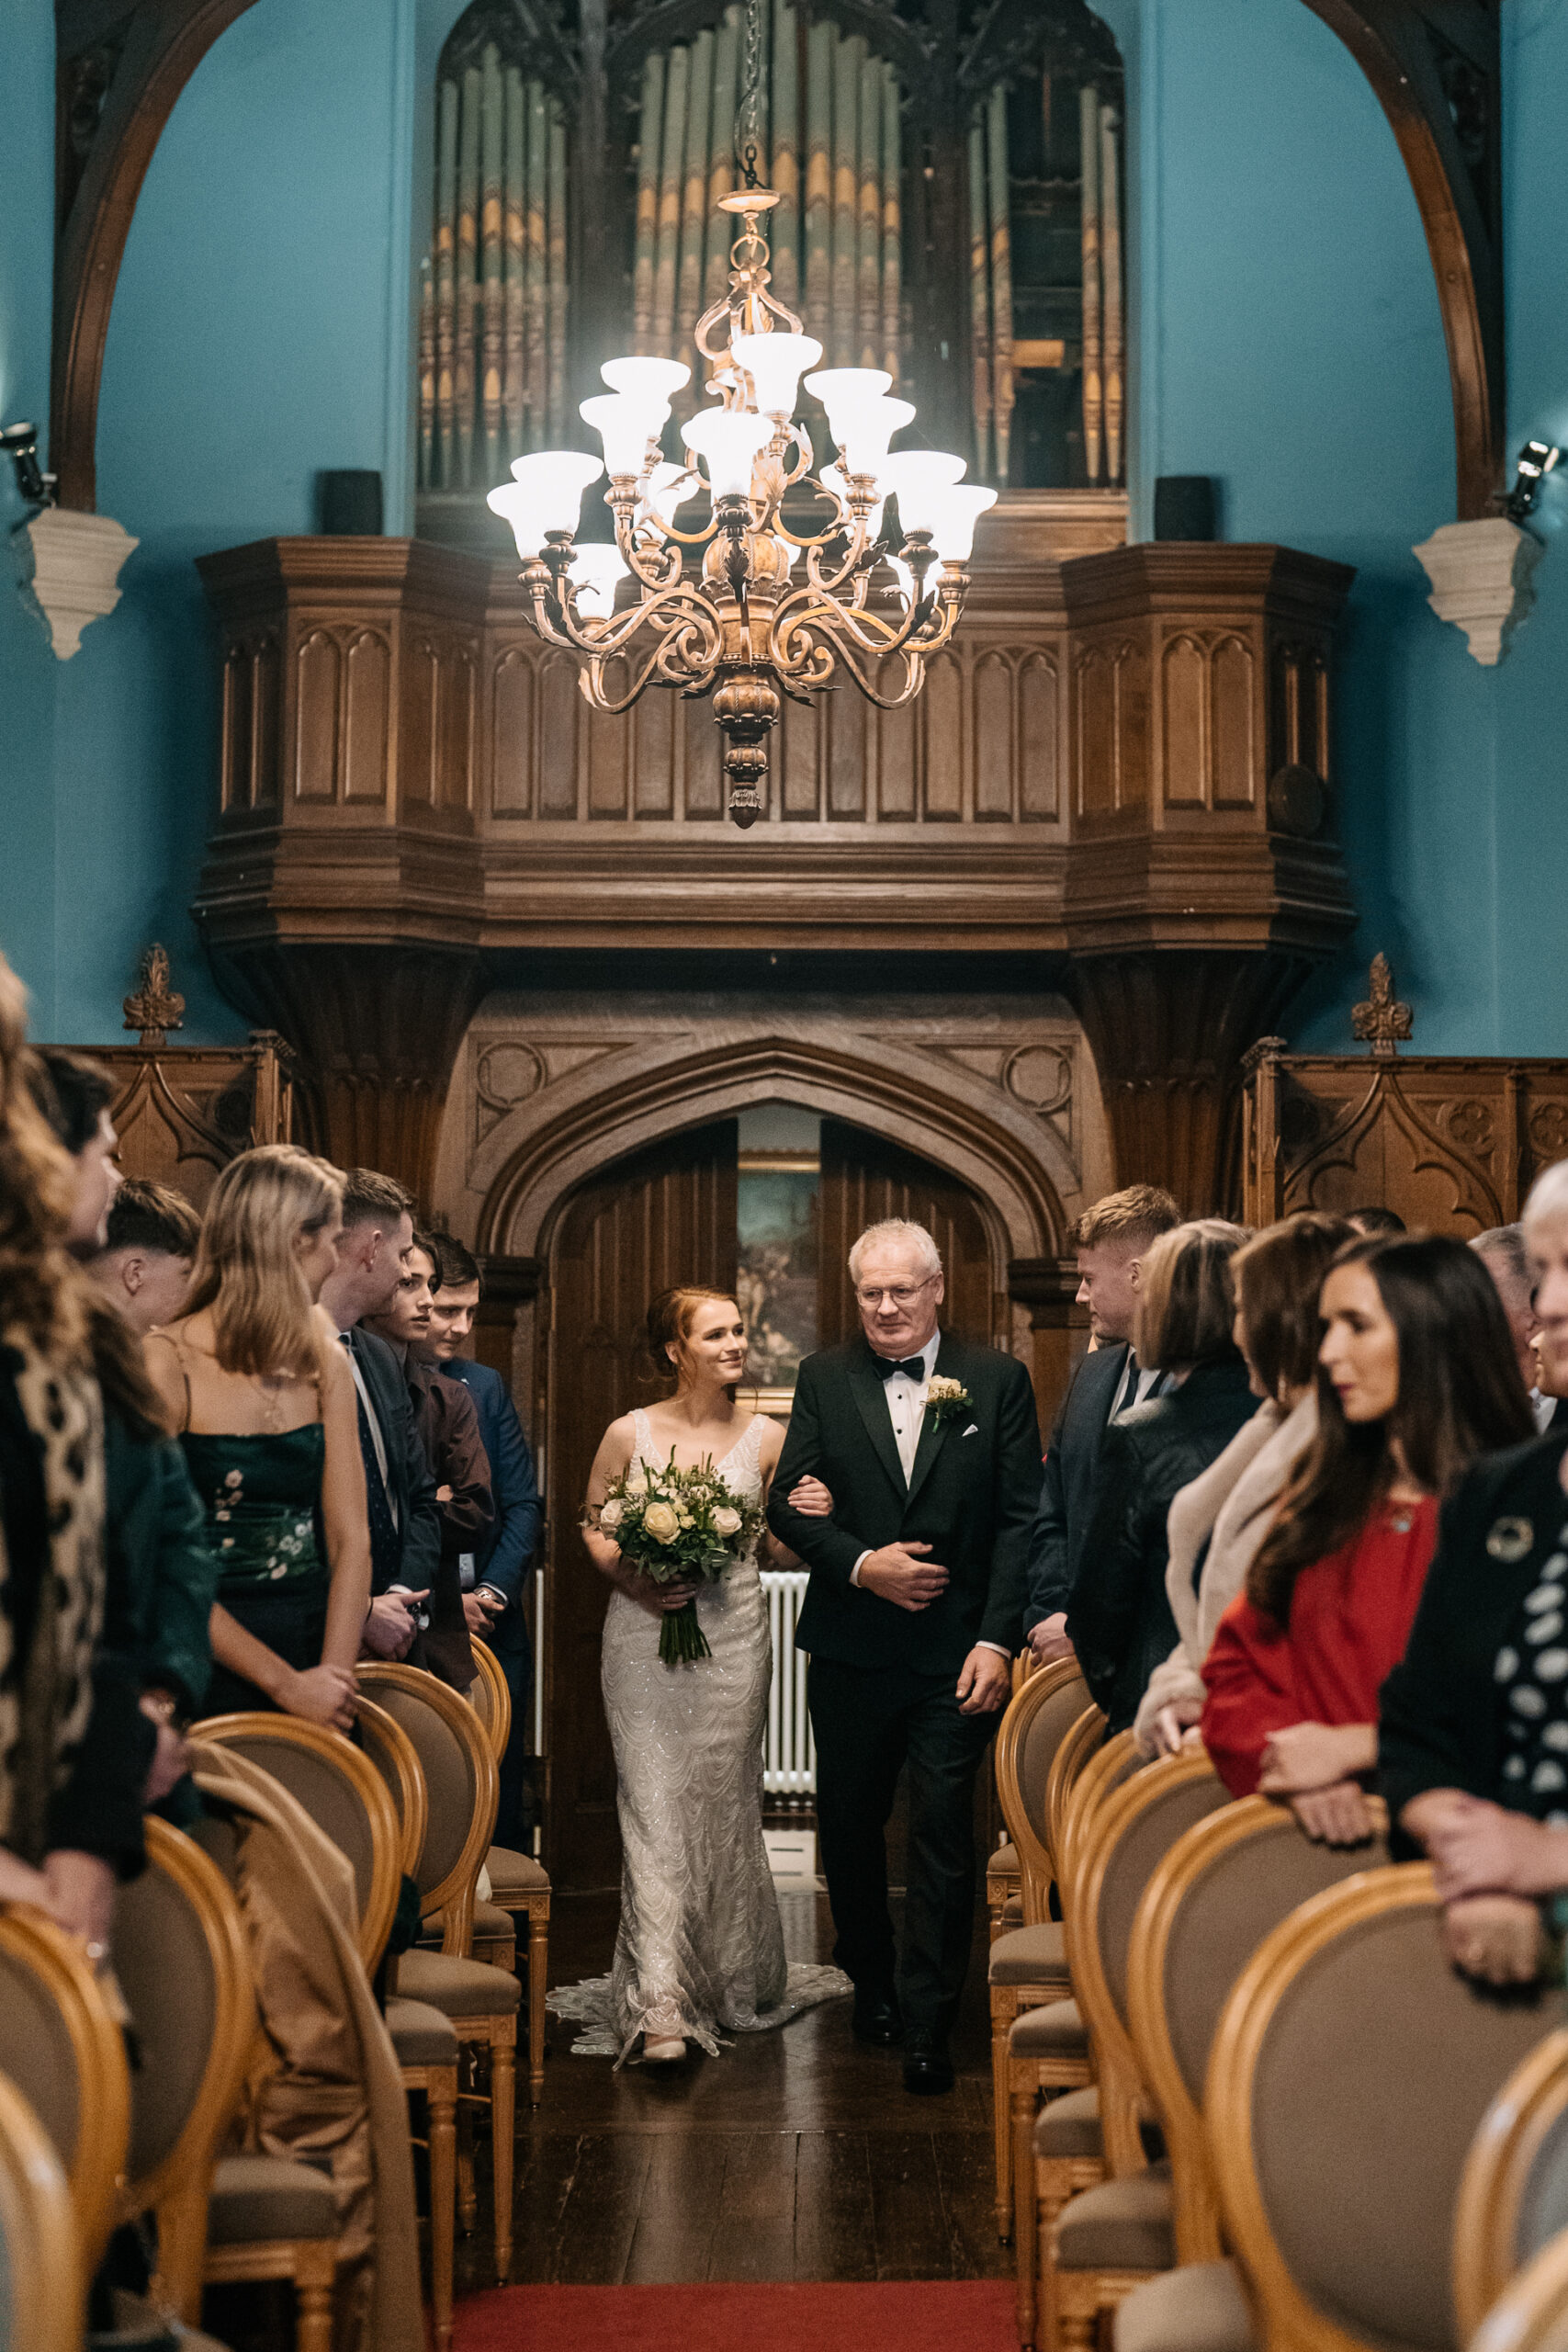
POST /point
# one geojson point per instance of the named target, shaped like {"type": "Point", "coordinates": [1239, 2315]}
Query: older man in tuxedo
{"type": "Point", "coordinates": [1112, 1238]}
{"type": "Point", "coordinates": [929, 1452]}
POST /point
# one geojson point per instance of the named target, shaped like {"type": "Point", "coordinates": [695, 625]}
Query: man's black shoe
{"type": "Point", "coordinates": [876, 2017]}
{"type": "Point", "coordinates": [928, 2069]}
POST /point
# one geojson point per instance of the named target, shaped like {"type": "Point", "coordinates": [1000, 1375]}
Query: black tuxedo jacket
{"type": "Point", "coordinates": [971, 1498]}
{"type": "Point", "coordinates": [408, 1468]}
{"type": "Point", "coordinates": [1061, 1525]}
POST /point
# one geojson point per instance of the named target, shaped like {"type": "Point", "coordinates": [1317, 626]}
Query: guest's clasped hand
{"type": "Point", "coordinates": [1312, 1767]}
{"type": "Point", "coordinates": [391, 1626]}
{"type": "Point", "coordinates": [1489, 1866]}
{"type": "Point", "coordinates": [321, 1694]}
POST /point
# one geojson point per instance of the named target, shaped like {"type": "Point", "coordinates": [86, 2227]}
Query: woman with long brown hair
{"type": "Point", "coordinates": [264, 1401]}
{"type": "Point", "coordinates": [700, 1947]}
{"type": "Point", "coordinates": [1417, 1377]}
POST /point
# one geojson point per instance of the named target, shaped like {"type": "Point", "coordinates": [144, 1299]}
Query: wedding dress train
{"type": "Point", "coordinates": [700, 1945]}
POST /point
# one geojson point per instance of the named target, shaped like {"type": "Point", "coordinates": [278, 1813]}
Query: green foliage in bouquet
{"type": "Point", "coordinates": [677, 1527]}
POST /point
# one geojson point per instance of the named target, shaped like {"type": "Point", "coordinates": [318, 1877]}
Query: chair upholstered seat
{"type": "Point", "coordinates": [1056, 2029]}
{"type": "Point", "coordinates": [514, 1874]}
{"type": "Point", "coordinates": [1030, 1956]}
{"type": "Point", "coordinates": [1200, 2308]}
{"type": "Point", "coordinates": [1069, 2126]}
{"type": "Point", "coordinates": [458, 1988]}
{"type": "Point", "coordinates": [256, 2198]}
{"type": "Point", "coordinates": [489, 1921]}
{"type": "Point", "coordinates": [422, 2036]}
{"type": "Point", "coordinates": [1121, 2225]}
{"type": "Point", "coordinates": [1012, 1912]}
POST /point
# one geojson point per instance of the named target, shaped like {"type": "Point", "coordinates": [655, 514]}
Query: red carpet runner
{"type": "Point", "coordinates": [905, 2315]}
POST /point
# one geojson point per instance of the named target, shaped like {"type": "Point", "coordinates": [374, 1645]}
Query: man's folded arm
{"type": "Point", "coordinates": [821, 1543]}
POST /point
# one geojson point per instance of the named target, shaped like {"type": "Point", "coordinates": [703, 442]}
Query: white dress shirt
{"type": "Point", "coordinates": [1543, 1409]}
{"type": "Point", "coordinates": [1137, 1391]}
{"type": "Point", "coordinates": [907, 1411]}
{"type": "Point", "coordinates": [376, 1440]}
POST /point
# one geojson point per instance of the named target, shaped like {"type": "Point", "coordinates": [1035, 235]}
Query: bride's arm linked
{"type": "Point", "coordinates": [809, 1495]}
{"type": "Point", "coordinates": [614, 1453]}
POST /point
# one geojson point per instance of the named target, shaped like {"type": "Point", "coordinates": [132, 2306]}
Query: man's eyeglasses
{"type": "Point", "coordinates": [899, 1293]}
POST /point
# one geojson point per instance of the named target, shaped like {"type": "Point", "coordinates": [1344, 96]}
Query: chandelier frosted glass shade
{"type": "Point", "coordinates": [750, 602]}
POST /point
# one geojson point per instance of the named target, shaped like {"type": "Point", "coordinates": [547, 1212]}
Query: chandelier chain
{"type": "Point", "coordinates": [748, 119]}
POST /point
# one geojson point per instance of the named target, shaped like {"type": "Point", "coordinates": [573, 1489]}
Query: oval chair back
{"type": "Point", "coordinates": [182, 1960]}
{"type": "Point", "coordinates": [392, 1752]}
{"type": "Point", "coordinates": [459, 1776]}
{"type": "Point", "coordinates": [491, 1699]}
{"type": "Point", "coordinates": [1349, 2074]}
{"type": "Point", "coordinates": [1105, 1767]}
{"type": "Point", "coordinates": [1513, 2198]}
{"type": "Point", "coordinates": [1209, 1903]}
{"type": "Point", "coordinates": [1531, 2314]}
{"type": "Point", "coordinates": [344, 1795]}
{"type": "Point", "coordinates": [1039, 1716]}
{"type": "Point", "coordinates": [41, 2286]}
{"type": "Point", "coordinates": [61, 2049]}
{"type": "Point", "coordinates": [1134, 1827]}
{"type": "Point", "coordinates": [1084, 1736]}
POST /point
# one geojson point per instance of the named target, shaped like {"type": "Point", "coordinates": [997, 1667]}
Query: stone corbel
{"type": "Point", "coordinates": [1480, 573]}
{"type": "Point", "coordinates": [70, 565]}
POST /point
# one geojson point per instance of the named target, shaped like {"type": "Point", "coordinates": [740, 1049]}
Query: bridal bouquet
{"type": "Point", "coordinates": [677, 1527]}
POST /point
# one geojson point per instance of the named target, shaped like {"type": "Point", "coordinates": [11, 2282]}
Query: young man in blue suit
{"type": "Point", "coordinates": [1112, 1238]}
{"type": "Point", "coordinates": [495, 1578]}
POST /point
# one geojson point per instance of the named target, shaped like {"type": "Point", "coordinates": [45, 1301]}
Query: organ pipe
{"type": "Point", "coordinates": [1001, 278]}
{"type": "Point", "coordinates": [979, 299]}
{"type": "Point", "coordinates": [671, 159]}
{"type": "Point", "coordinates": [721, 147]}
{"type": "Point", "coordinates": [515, 258]}
{"type": "Point", "coordinates": [1111, 268]}
{"type": "Point", "coordinates": [426, 373]}
{"type": "Point", "coordinates": [846, 199]}
{"type": "Point", "coordinates": [651, 122]}
{"type": "Point", "coordinates": [868, 273]}
{"type": "Point", "coordinates": [819, 47]}
{"type": "Point", "coordinates": [693, 202]}
{"type": "Point", "coordinates": [892, 224]}
{"type": "Point", "coordinates": [1093, 387]}
{"type": "Point", "coordinates": [535, 318]}
{"type": "Point", "coordinates": [467, 251]}
{"type": "Point", "coordinates": [557, 410]}
{"type": "Point", "coordinates": [447, 286]}
{"type": "Point", "coordinates": [491, 118]}
{"type": "Point", "coordinates": [785, 174]}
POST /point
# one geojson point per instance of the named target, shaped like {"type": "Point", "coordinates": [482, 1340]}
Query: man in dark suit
{"type": "Point", "coordinates": [400, 1492]}
{"type": "Point", "coordinates": [930, 1451]}
{"type": "Point", "coordinates": [1112, 1238]}
{"type": "Point", "coordinates": [496, 1578]}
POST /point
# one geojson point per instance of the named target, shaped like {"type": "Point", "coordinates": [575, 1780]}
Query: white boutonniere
{"type": "Point", "coordinates": [944, 1397]}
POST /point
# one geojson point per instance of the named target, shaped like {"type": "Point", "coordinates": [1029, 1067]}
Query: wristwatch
{"type": "Point", "coordinates": [494, 1593]}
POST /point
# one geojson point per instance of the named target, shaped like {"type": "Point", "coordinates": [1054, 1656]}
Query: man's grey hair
{"type": "Point", "coordinates": [1549, 1194]}
{"type": "Point", "coordinates": [1506, 1244]}
{"type": "Point", "coordinates": [900, 1232]}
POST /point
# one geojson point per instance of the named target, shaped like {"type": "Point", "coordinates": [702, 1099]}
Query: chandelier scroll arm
{"type": "Point", "coordinates": [659, 667]}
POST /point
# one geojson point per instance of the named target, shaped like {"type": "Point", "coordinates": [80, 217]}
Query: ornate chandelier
{"type": "Point", "coordinates": [763, 611]}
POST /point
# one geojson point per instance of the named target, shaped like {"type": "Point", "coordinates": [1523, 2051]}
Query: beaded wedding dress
{"type": "Point", "coordinates": [700, 1945]}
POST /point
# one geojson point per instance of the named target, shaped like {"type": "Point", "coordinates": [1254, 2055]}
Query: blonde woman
{"type": "Point", "coordinates": [264, 1401]}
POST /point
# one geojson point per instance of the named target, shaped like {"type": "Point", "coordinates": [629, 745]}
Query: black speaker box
{"type": "Point", "coordinates": [351, 504]}
{"type": "Point", "coordinates": [1184, 507]}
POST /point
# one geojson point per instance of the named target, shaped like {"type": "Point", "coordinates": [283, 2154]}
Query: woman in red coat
{"type": "Point", "coordinates": [1416, 1376]}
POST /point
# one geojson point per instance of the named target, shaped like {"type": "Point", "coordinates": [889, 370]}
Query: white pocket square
{"type": "Point", "coordinates": [973, 1430]}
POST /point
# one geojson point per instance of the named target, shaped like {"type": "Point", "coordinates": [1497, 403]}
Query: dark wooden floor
{"type": "Point", "coordinates": [794, 2154]}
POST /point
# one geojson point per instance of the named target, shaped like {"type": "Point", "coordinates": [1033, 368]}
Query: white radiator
{"type": "Point", "coordinates": [789, 1764]}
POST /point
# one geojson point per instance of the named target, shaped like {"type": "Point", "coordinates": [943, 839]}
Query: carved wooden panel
{"type": "Point", "coordinates": [182, 1113]}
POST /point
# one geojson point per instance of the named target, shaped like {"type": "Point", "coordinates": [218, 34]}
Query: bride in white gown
{"type": "Point", "coordinates": [700, 1945]}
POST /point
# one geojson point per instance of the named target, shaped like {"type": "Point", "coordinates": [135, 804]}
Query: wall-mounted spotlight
{"type": "Point", "coordinates": [20, 443]}
{"type": "Point", "coordinates": [1536, 461]}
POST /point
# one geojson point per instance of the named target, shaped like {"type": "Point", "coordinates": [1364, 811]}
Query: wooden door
{"type": "Point", "coordinates": [666, 1215]}
{"type": "Point", "coordinates": [865, 1179]}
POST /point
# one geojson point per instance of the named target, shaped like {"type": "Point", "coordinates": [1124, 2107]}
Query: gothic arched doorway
{"type": "Point", "coordinates": [664, 1215]}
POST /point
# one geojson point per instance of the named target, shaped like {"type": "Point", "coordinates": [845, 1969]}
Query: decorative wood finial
{"type": "Point", "coordinates": [154, 1008]}
{"type": "Point", "coordinates": [1381, 1022]}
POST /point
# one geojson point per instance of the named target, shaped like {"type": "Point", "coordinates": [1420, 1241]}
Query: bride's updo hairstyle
{"type": "Point", "coordinates": [670, 1321]}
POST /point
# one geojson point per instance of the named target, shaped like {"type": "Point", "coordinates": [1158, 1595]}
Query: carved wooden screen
{"type": "Point", "coordinates": [182, 1113]}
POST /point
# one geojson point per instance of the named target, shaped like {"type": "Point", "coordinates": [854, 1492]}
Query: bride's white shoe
{"type": "Point", "coordinates": [663, 2048]}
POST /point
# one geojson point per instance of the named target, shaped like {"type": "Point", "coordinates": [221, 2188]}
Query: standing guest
{"type": "Point", "coordinates": [1416, 1376]}
{"type": "Point", "coordinates": [1473, 1744]}
{"type": "Point", "coordinates": [1372, 1224]}
{"type": "Point", "coordinates": [405, 1518]}
{"type": "Point", "coordinates": [264, 1402]}
{"type": "Point", "coordinates": [1119, 1617]}
{"type": "Point", "coordinates": [448, 1428]}
{"type": "Point", "coordinates": [1113, 1238]}
{"type": "Point", "coordinates": [63, 1079]}
{"type": "Point", "coordinates": [1503, 1253]}
{"type": "Point", "coordinates": [495, 1576]}
{"type": "Point", "coordinates": [161, 1577]}
{"type": "Point", "coordinates": [1217, 1524]}
{"type": "Point", "coordinates": [74, 1748]}
{"type": "Point", "coordinates": [149, 1249]}
{"type": "Point", "coordinates": [910, 1620]}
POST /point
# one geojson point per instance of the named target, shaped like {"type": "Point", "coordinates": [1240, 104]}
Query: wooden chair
{"type": "Point", "coordinates": [61, 2049]}
{"type": "Point", "coordinates": [42, 2291]}
{"type": "Point", "coordinates": [519, 1886]}
{"type": "Point", "coordinates": [482, 2001]}
{"type": "Point", "coordinates": [425, 2041]}
{"type": "Point", "coordinates": [1531, 2315]}
{"type": "Point", "coordinates": [1513, 2198]}
{"type": "Point", "coordinates": [1027, 1965]}
{"type": "Point", "coordinates": [344, 1795]}
{"type": "Point", "coordinates": [1349, 2073]}
{"type": "Point", "coordinates": [1103, 2242]}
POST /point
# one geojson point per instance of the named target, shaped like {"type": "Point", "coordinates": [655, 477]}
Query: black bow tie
{"type": "Point", "coordinates": [912, 1367]}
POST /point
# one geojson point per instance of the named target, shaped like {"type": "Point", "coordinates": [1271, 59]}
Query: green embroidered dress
{"type": "Point", "coordinates": [262, 1497]}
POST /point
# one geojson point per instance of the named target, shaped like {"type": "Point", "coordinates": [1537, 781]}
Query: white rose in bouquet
{"type": "Point", "coordinates": [726, 1522]}
{"type": "Point", "coordinates": [660, 1522]}
{"type": "Point", "coordinates": [611, 1515]}
{"type": "Point", "coordinates": [637, 1482]}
